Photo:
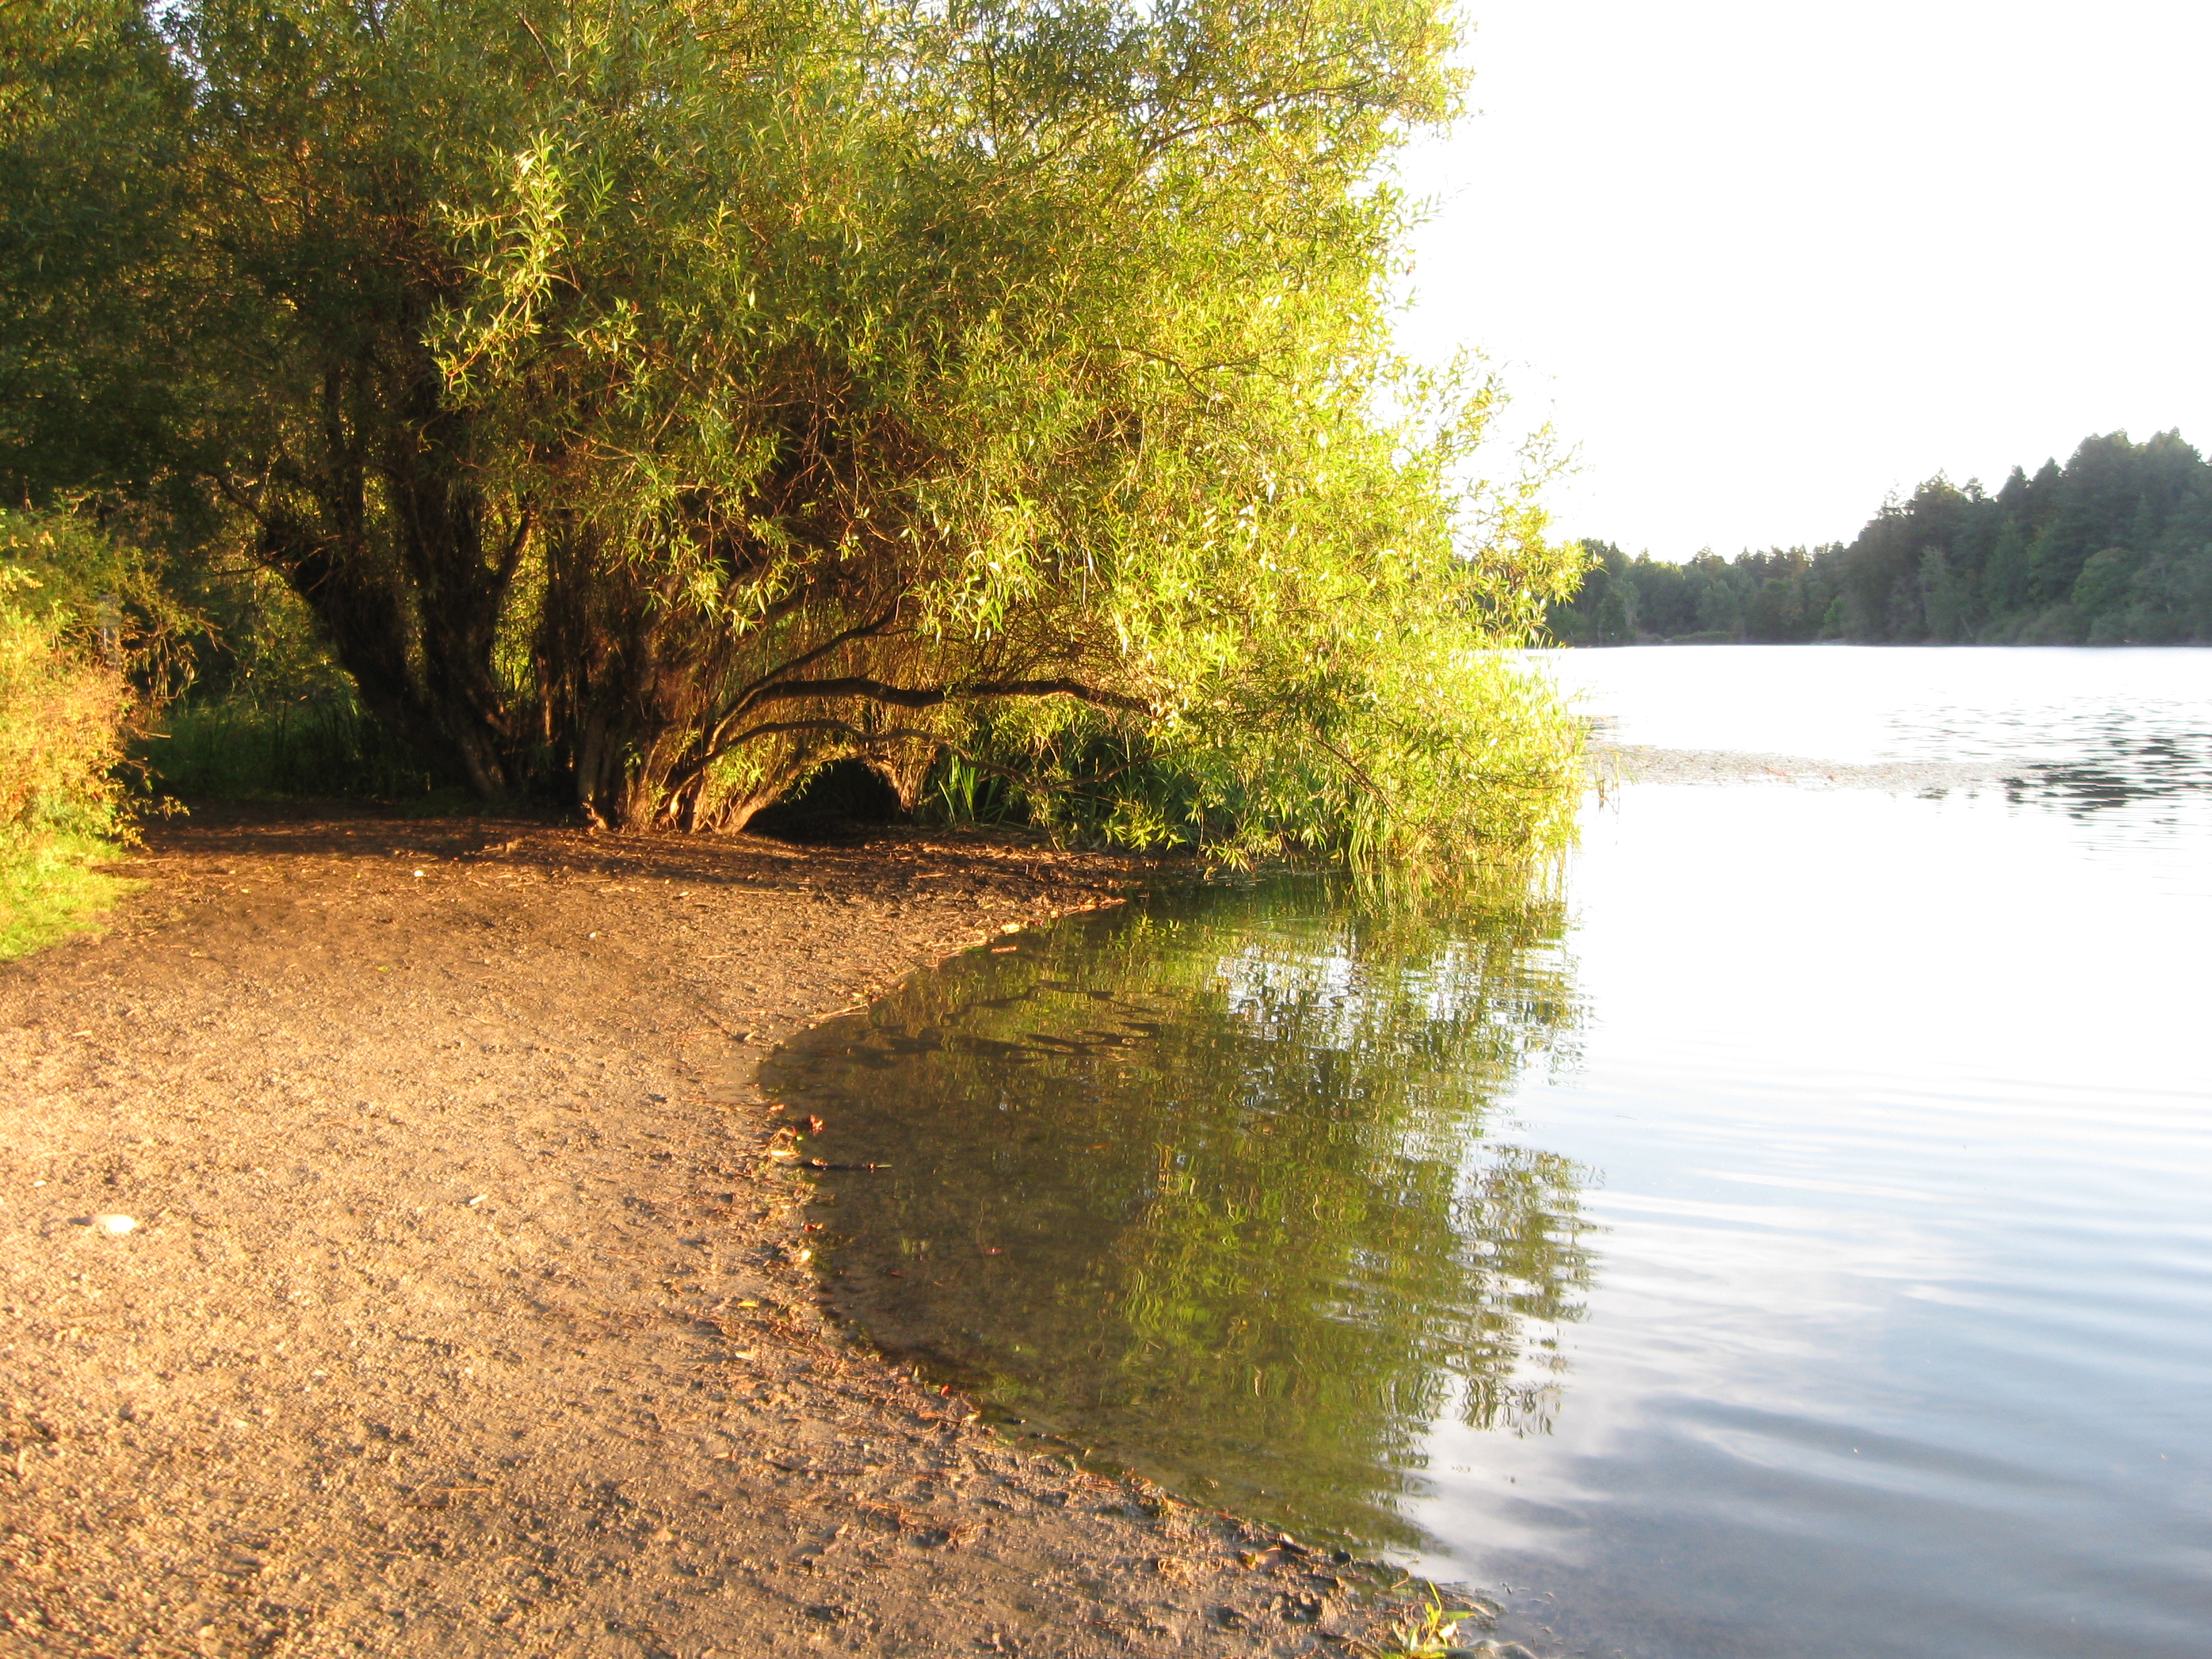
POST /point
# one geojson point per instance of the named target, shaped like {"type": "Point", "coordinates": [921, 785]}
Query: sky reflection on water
{"type": "Point", "coordinates": [1901, 1337]}
{"type": "Point", "coordinates": [1902, 1341]}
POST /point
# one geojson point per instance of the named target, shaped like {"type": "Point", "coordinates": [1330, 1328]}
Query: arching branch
{"type": "Point", "coordinates": [933, 696]}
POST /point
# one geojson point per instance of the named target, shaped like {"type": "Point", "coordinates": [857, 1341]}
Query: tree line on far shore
{"type": "Point", "coordinates": [2114, 548]}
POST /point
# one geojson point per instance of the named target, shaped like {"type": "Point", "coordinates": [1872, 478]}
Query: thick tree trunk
{"type": "Point", "coordinates": [410, 598]}
{"type": "Point", "coordinates": [461, 586]}
{"type": "Point", "coordinates": [432, 682]}
{"type": "Point", "coordinates": [625, 684]}
{"type": "Point", "coordinates": [362, 614]}
{"type": "Point", "coordinates": [461, 583]}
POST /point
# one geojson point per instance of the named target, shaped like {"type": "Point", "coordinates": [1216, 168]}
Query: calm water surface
{"type": "Point", "coordinates": [1793, 1237]}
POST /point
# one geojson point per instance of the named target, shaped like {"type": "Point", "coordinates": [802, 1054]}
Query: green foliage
{"type": "Point", "coordinates": [961, 791]}
{"type": "Point", "coordinates": [255, 641]}
{"type": "Point", "coordinates": [1438, 759]}
{"type": "Point", "coordinates": [2115, 547]}
{"type": "Point", "coordinates": [1779, 596]}
{"type": "Point", "coordinates": [51, 886]}
{"type": "Point", "coordinates": [96, 304]}
{"type": "Point", "coordinates": [239, 747]}
{"type": "Point", "coordinates": [1431, 1633]}
{"type": "Point", "coordinates": [265, 710]}
{"type": "Point", "coordinates": [101, 591]}
{"type": "Point", "coordinates": [64, 702]}
{"type": "Point", "coordinates": [653, 403]}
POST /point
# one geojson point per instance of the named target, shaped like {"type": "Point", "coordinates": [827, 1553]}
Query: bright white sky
{"type": "Point", "coordinates": [1763, 262]}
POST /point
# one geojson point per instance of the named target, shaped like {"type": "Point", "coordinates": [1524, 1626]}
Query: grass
{"type": "Point", "coordinates": [49, 888]}
{"type": "Point", "coordinates": [51, 885]}
{"type": "Point", "coordinates": [239, 750]}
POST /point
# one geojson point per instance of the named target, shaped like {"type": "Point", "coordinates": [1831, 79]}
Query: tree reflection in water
{"type": "Point", "coordinates": [1206, 1185]}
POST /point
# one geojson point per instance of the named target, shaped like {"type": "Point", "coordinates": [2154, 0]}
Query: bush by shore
{"type": "Point", "coordinates": [64, 700]}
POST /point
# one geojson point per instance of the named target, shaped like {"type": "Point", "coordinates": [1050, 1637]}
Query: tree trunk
{"type": "Point", "coordinates": [409, 600]}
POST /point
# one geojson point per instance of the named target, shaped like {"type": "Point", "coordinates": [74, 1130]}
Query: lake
{"type": "Point", "coordinates": [1786, 1232]}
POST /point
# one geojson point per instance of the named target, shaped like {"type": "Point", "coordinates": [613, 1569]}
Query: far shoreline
{"type": "Point", "coordinates": [1608, 764]}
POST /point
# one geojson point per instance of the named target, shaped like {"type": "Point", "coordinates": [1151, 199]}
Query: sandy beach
{"type": "Point", "coordinates": [464, 1302]}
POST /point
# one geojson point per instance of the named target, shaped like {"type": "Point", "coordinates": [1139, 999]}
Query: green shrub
{"type": "Point", "coordinates": [64, 702]}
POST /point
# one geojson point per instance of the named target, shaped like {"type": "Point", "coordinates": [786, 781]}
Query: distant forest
{"type": "Point", "coordinates": [2114, 548]}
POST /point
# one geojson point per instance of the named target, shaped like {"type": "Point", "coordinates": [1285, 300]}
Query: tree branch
{"type": "Point", "coordinates": [836, 728]}
{"type": "Point", "coordinates": [931, 696]}
{"type": "Point", "coordinates": [758, 690]}
{"type": "Point", "coordinates": [1350, 766]}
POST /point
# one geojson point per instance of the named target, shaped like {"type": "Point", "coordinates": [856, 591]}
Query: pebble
{"type": "Point", "coordinates": [114, 1225]}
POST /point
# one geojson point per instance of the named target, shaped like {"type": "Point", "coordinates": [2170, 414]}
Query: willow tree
{"type": "Point", "coordinates": [664, 399]}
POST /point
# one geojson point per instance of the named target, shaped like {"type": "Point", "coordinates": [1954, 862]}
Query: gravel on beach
{"type": "Point", "coordinates": [466, 1304]}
